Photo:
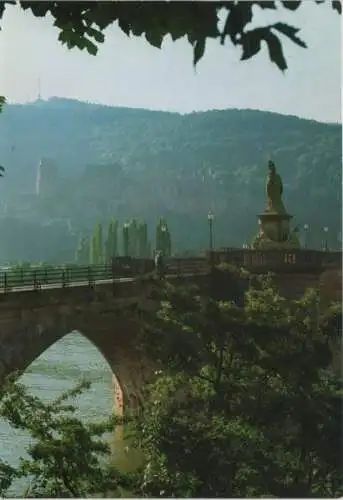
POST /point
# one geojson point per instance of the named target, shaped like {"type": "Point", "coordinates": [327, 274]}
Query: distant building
{"type": "Point", "coordinates": [47, 177]}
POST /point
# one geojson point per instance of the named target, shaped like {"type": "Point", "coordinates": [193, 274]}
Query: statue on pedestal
{"type": "Point", "coordinates": [274, 190]}
{"type": "Point", "coordinates": [274, 222]}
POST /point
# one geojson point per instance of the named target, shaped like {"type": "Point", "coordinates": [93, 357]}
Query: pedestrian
{"type": "Point", "coordinates": [159, 264]}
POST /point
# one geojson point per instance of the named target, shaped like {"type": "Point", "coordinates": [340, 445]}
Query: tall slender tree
{"type": "Point", "coordinates": [163, 237]}
{"type": "Point", "coordinates": [99, 243]}
{"type": "Point", "coordinates": [142, 239]}
{"type": "Point", "coordinates": [96, 254]}
{"type": "Point", "coordinates": [125, 238]}
{"type": "Point", "coordinates": [93, 250]}
{"type": "Point", "coordinates": [82, 251]}
{"type": "Point", "coordinates": [111, 246]}
{"type": "Point", "coordinates": [133, 238]}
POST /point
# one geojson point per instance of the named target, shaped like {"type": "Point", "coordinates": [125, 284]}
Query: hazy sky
{"type": "Point", "coordinates": [129, 72]}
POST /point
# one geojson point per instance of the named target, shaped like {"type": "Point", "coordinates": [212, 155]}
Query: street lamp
{"type": "Point", "coordinates": [326, 229]}
{"type": "Point", "coordinates": [305, 235]}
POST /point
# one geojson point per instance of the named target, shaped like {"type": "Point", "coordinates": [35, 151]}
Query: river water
{"type": "Point", "coordinates": [57, 369]}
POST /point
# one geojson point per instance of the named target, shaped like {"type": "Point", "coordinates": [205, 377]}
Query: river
{"type": "Point", "coordinates": [57, 369]}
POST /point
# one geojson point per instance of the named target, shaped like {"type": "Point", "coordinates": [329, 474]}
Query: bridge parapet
{"type": "Point", "coordinates": [24, 279]}
{"type": "Point", "coordinates": [275, 260]}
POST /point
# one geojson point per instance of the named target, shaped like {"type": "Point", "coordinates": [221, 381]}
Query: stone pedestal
{"type": "Point", "coordinates": [275, 231]}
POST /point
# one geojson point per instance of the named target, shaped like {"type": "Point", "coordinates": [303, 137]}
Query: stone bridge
{"type": "Point", "coordinates": [33, 319]}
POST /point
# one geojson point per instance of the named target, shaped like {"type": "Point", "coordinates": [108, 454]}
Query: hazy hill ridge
{"type": "Point", "coordinates": [149, 163]}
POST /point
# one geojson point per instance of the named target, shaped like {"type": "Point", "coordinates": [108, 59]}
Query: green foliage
{"type": "Point", "coordinates": [163, 238]}
{"type": "Point", "coordinates": [82, 251]}
{"type": "Point", "coordinates": [246, 403]}
{"type": "Point", "coordinates": [111, 248]}
{"type": "Point", "coordinates": [81, 25]}
{"type": "Point", "coordinates": [66, 456]}
{"type": "Point", "coordinates": [126, 240]}
{"type": "Point", "coordinates": [133, 238]}
{"type": "Point", "coordinates": [96, 246]}
{"type": "Point", "coordinates": [143, 244]}
{"type": "Point", "coordinates": [2, 102]}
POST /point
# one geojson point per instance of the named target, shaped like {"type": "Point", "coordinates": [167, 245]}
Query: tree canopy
{"type": "Point", "coordinates": [81, 24]}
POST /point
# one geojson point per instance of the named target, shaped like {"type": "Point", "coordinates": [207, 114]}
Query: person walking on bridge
{"type": "Point", "coordinates": [159, 264]}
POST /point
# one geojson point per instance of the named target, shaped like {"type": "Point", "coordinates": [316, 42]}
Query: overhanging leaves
{"type": "Point", "coordinates": [197, 20]}
{"type": "Point", "coordinates": [290, 32]}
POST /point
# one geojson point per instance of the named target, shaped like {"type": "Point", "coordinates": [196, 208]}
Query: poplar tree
{"type": "Point", "coordinates": [111, 247]}
{"type": "Point", "coordinates": [163, 238]}
{"type": "Point", "coordinates": [82, 251]}
{"type": "Point", "coordinates": [125, 237]}
{"type": "Point", "coordinates": [133, 238]}
{"type": "Point", "coordinates": [142, 239]}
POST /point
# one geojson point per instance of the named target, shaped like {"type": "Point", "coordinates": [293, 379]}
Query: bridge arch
{"type": "Point", "coordinates": [25, 336]}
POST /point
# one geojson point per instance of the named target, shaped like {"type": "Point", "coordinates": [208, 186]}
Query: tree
{"type": "Point", "coordinates": [163, 238]}
{"type": "Point", "coordinates": [133, 238]}
{"type": "Point", "coordinates": [99, 244]}
{"type": "Point", "coordinates": [246, 403]}
{"type": "Point", "coordinates": [96, 246]}
{"type": "Point", "coordinates": [93, 249]}
{"type": "Point", "coordinates": [82, 252]}
{"type": "Point", "coordinates": [142, 250]}
{"type": "Point", "coordinates": [65, 456]}
{"type": "Point", "coordinates": [81, 24]}
{"type": "Point", "coordinates": [111, 247]}
{"type": "Point", "coordinates": [126, 239]}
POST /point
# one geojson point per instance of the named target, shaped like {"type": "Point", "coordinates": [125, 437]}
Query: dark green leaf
{"type": "Point", "coordinates": [336, 5]}
{"type": "Point", "coordinates": [275, 50]}
{"type": "Point", "coordinates": [251, 44]}
{"type": "Point", "coordinates": [290, 32]}
{"type": "Point", "coordinates": [154, 36]}
{"type": "Point", "coordinates": [124, 26]}
{"type": "Point", "coordinates": [96, 34]}
{"type": "Point", "coordinates": [266, 5]}
{"type": "Point", "coordinates": [199, 49]}
{"type": "Point", "coordinates": [291, 5]}
{"type": "Point", "coordinates": [91, 47]}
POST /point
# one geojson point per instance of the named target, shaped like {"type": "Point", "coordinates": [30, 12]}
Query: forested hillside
{"type": "Point", "coordinates": [137, 163]}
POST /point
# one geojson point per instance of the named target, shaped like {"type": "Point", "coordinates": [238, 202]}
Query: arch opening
{"type": "Point", "coordinates": [56, 369]}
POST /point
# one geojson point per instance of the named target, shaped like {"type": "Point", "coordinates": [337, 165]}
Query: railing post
{"type": "Point", "coordinates": [5, 283]}
{"type": "Point", "coordinates": [35, 281]}
{"type": "Point", "coordinates": [64, 279]}
{"type": "Point", "coordinates": [90, 280]}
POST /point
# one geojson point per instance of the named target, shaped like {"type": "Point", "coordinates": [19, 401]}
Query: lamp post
{"type": "Point", "coordinates": [305, 235]}
{"type": "Point", "coordinates": [326, 229]}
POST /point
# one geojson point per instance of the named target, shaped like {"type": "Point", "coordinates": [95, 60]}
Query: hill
{"type": "Point", "coordinates": [133, 162]}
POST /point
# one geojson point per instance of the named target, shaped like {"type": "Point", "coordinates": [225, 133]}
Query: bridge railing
{"type": "Point", "coordinates": [64, 276]}
{"type": "Point", "coordinates": [59, 275]}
